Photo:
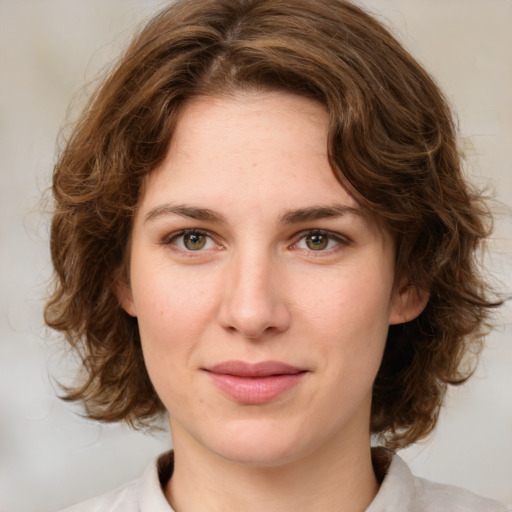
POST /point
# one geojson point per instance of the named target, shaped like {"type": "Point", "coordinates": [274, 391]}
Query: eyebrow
{"type": "Point", "coordinates": [183, 210]}
{"type": "Point", "coordinates": [318, 212]}
{"type": "Point", "coordinates": [299, 215]}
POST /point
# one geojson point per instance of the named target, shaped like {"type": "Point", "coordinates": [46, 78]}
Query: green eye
{"type": "Point", "coordinates": [189, 241]}
{"type": "Point", "coordinates": [316, 241]}
{"type": "Point", "coordinates": [194, 241]}
{"type": "Point", "coordinates": [321, 241]}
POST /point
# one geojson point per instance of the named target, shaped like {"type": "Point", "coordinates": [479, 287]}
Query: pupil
{"type": "Point", "coordinates": [317, 242]}
{"type": "Point", "coordinates": [194, 241]}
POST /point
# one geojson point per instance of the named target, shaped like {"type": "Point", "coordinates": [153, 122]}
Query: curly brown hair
{"type": "Point", "coordinates": [391, 143]}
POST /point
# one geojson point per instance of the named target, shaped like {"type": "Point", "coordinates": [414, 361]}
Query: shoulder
{"type": "Point", "coordinates": [401, 491]}
{"type": "Point", "coordinates": [448, 498]}
{"type": "Point", "coordinates": [142, 495]}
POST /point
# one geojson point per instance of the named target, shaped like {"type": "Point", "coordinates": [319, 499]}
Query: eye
{"type": "Point", "coordinates": [319, 241]}
{"type": "Point", "coordinates": [191, 240]}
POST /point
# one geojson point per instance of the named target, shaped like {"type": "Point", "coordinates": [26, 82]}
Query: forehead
{"type": "Point", "coordinates": [271, 146]}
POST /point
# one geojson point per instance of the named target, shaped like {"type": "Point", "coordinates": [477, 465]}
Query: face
{"type": "Point", "coordinates": [263, 293]}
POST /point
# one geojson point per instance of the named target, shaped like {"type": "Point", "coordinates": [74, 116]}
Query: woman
{"type": "Point", "coordinates": [262, 228]}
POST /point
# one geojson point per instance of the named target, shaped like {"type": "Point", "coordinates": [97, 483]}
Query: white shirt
{"type": "Point", "coordinates": [400, 491]}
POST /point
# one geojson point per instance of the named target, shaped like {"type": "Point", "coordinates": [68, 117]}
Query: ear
{"type": "Point", "coordinates": [408, 303]}
{"type": "Point", "coordinates": [123, 292]}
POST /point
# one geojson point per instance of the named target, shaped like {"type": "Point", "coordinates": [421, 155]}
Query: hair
{"type": "Point", "coordinates": [391, 144]}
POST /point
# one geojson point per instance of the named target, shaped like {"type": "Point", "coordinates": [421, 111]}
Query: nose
{"type": "Point", "coordinates": [253, 302]}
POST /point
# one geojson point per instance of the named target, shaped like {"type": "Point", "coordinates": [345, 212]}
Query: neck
{"type": "Point", "coordinates": [326, 480]}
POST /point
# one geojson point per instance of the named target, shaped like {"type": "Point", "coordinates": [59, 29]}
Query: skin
{"type": "Point", "coordinates": [252, 283]}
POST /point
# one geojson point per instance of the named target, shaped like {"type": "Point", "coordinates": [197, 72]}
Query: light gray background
{"type": "Point", "coordinates": [49, 457]}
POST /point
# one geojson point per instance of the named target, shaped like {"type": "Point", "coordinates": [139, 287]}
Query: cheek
{"type": "Point", "coordinates": [172, 309]}
{"type": "Point", "coordinates": [352, 300]}
{"type": "Point", "coordinates": [348, 321]}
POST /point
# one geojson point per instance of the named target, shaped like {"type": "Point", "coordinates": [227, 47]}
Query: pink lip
{"type": "Point", "coordinates": [255, 384]}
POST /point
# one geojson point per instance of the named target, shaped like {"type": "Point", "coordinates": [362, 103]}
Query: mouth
{"type": "Point", "coordinates": [255, 384]}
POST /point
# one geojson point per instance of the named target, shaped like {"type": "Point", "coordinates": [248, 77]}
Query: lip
{"type": "Point", "coordinates": [255, 384]}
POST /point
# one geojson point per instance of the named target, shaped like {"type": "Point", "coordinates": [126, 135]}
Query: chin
{"type": "Point", "coordinates": [258, 446]}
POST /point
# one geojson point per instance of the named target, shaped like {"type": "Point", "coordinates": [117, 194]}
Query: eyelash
{"type": "Point", "coordinates": [336, 237]}
{"type": "Point", "coordinates": [341, 241]}
{"type": "Point", "coordinates": [173, 237]}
